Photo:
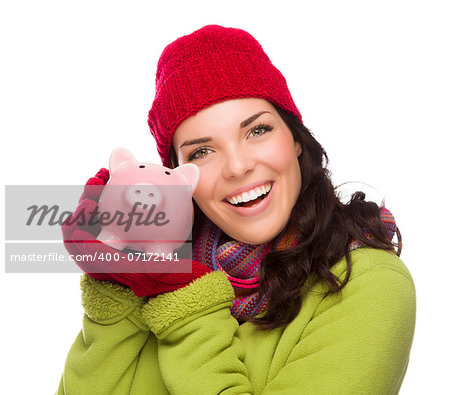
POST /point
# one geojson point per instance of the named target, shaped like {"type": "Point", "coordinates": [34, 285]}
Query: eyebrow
{"type": "Point", "coordinates": [248, 121]}
{"type": "Point", "coordinates": [196, 141]}
{"type": "Point", "coordinates": [243, 124]}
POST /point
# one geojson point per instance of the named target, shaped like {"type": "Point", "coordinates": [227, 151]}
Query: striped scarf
{"type": "Point", "coordinates": [241, 262]}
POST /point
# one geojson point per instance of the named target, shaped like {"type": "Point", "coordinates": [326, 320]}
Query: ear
{"type": "Point", "coordinates": [190, 172]}
{"type": "Point", "coordinates": [118, 156]}
{"type": "Point", "coordinates": [298, 148]}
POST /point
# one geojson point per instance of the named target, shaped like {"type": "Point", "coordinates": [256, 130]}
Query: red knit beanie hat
{"type": "Point", "coordinates": [210, 65]}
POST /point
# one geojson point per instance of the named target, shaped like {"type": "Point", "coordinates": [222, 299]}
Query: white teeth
{"type": "Point", "coordinates": [250, 195]}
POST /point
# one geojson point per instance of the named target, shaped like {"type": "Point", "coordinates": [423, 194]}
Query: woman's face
{"type": "Point", "coordinates": [249, 173]}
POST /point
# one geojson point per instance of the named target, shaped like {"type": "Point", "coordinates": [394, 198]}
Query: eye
{"type": "Point", "coordinates": [199, 153]}
{"type": "Point", "coordinates": [260, 130]}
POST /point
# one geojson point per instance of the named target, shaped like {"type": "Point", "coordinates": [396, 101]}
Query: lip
{"type": "Point", "coordinates": [255, 210]}
{"type": "Point", "coordinates": [247, 188]}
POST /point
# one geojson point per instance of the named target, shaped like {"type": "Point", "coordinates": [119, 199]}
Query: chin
{"type": "Point", "coordinates": [255, 237]}
{"type": "Point", "coordinates": [252, 241]}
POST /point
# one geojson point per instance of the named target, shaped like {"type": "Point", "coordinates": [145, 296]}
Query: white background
{"type": "Point", "coordinates": [370, 78]}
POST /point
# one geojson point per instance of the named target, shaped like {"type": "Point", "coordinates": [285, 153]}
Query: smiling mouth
{"type": "Point", "coordinates": [251, 199]}
{"type": "Point", "coordinates": [252, 203]}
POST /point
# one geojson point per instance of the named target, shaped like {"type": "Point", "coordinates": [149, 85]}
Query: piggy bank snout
{"type": "Point", "coordinates": [143, 193]}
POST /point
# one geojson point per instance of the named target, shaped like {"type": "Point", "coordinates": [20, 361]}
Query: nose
{"type": "Point", "coordinates": [237, 162]}
{"type": "Point", "coordinates": [144, 194]}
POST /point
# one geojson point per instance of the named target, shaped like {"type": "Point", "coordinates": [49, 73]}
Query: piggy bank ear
{"type": "Point", "coordinates": [190, 172]}
{"type": "Point", "coordinates": [118, 156]}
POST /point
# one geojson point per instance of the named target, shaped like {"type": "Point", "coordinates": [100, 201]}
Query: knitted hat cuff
{"type": "Point", "coordinates": [209, 79]}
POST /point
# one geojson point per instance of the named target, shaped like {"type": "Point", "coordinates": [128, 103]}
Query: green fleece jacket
{"type": "Point", "coordinates": [187, 342]}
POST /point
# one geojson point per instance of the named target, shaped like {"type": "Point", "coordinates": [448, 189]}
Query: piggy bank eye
{"type": "Point", "coordinates": [167, 172]}
{"type": "Point", "coordinates": [141, 166]}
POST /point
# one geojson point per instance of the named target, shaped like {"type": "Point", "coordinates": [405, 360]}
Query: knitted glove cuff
{"type": "Point", "coordinates": [107, 303]}
{"type": "Point", "coordinates": [208, 293]}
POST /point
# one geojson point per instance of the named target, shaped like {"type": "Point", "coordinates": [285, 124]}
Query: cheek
{"type": "Point", "coordinates": [285, 163]}
{"type": "Point", "coordinates": [205, 189]}
{"type": "Point", "coordinates": [282, 155]}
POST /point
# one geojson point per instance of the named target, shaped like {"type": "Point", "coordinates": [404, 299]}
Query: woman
{"type": "Point", "coordinates": [291, 291]}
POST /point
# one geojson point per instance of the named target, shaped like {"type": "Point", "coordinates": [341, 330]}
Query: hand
{"type": "Point", "coordinates": [81, 243]}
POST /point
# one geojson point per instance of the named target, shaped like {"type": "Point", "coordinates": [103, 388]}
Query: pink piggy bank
{"type": "Point", "coordinates": [146, 207]}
